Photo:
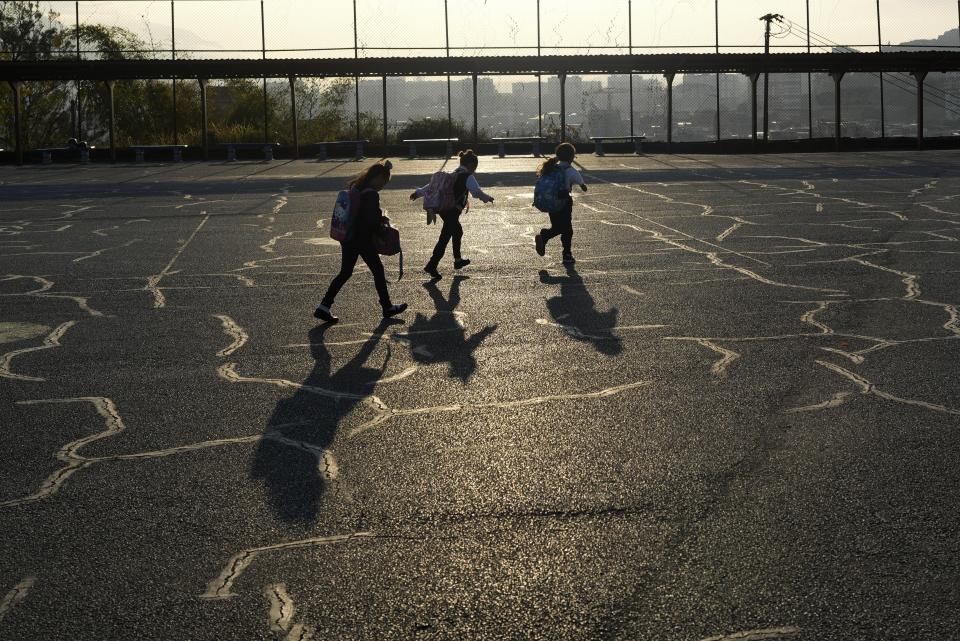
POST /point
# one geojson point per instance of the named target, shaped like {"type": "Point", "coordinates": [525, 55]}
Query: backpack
{"type": "Point", "coordinates": [341, 225]}
{"type": "Point", "coordinates": [550, 193]}
{"type": "Point", "coordinates": [438, 195]}
{"type": "Point", "coordinates": [387, 242]}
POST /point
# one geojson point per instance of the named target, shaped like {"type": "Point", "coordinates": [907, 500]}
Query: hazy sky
{"type": "Point", "coordinates": [678, 24]}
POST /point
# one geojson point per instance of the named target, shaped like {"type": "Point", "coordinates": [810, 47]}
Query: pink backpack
{"type": "Point", "coordinates": [344, 210]}
{"type": "Point", "coordinates": [438, 195]}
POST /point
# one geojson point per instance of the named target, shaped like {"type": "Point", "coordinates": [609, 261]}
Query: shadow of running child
{"type": "Point", "coordinates": [293, 469]}
{"type": "Point", "coordinates": [576, 312]}
{"type": "Point", "coordinates": [442, 338]}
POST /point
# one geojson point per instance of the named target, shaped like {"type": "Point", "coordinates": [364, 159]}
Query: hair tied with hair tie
{"type": "Point", "coordinates": [387, 164]}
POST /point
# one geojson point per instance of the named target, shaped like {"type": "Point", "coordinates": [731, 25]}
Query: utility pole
{"type": "Point", "coordinates": [769, 19]}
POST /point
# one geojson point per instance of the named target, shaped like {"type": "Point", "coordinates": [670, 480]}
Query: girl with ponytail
{"type": "Point", "coordinates": [464, 184]}
{"type": "Point", "coordinates": [366, 219]}
{"type": "Point", "coordinates": [561, 221]}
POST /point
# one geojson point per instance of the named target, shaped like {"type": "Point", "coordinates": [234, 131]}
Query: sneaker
{"type": "Point", "coordinates": [541, 244]}
{"type": "Point", "coordinates": [460, 264]}
{"type": "Point", "coordinates": [432, 270]}
{"type": "Point", "coordinates": [393, 310]}
{"type": "Point", "coordinates": [568, 258]}
{"type": "Point", "coordinates": [323, 313]}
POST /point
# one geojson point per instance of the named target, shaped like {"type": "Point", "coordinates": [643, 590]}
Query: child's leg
{"type": "Point", "coordinates": [457, 236]}
{"type": "Point", "coordinates": [441, 247]}
{"type": "Point", "coordinates": [446, 233]}
{"type": "Point", "coordinates": [547, 234]}
{"type": "Point", "coordinates": [372, 259]}
{"type": "Point", "coordinates": [348, 260]}
{"type": "Point", "coordinates": [566, 225]}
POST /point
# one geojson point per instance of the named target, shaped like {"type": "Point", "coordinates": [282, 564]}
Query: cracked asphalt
{"type": "Point", "coordinates": [736, 417]}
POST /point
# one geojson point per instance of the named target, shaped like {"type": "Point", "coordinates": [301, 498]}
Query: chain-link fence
{"type": "Point", "coordinates": [368, 28]}
{"type": "Point", "coordinates": [705, 107]}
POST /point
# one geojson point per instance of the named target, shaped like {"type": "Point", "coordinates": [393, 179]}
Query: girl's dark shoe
{"type": "Point", "coordinates": [323, 313]}
{"type": "Point", "coordinates": [541, 244]}
{"type": "Point", "coordinates": [393, 310]}
{"type": "Point", "coordinates": [568, 258]}
{"type": "Point", "coordinates": [460, 264]}
{"type": "Point", "coordinates": [432, 270]}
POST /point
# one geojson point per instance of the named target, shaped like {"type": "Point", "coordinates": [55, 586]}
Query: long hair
{"type": "Point", "coordinates": [362, 180]}
{"type": "Point", "coordinates": [565, 152]}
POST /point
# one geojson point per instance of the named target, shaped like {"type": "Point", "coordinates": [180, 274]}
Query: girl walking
{"type": "Point", "coordinates": [561, 220]}
{"type": "Point", "coordinates": [464, 184]}
{"type": "Point", "coordinates": [366, 218]}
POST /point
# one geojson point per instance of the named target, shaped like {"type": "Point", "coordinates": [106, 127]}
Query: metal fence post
{"type": "Point", "coordinates": [446, 25]}
{"type": "Point", "coordinates": [476, 129]}
{"type": "Point", "coordinates": [754, 79]}
{"type": "Point", "coordinates": [883, 114]}
{"type": "Point", "coordinates": [920, 76]}
{"type": "Point", "coordinates": [384, 115]}
{"type": "Point", "coordinates": [809, 82]}
{"type": "Point", "coordinates": [356, 79]}
{"type": "Point", "coordinates": [838, 113]}
{"type": "Point", "coordinates": [173, 56]}
{"type": "Point", "coordinates": [540, 80]}
{"type": "Point", "coordinates": [293, 114]}
{"type": "Point", "coordinates": [563, 107]}
{"type": "Point", "coordinates": [203, 118]}
{"type": "Point", "coordinates": [716, 27]}
{"type": "Point", "coordinates": [17, 125]}
{"type": "Point", "coordinates": [263, 44]}
{"type": "Point", "coordinates": [76, 6]}
{"type": "Point", "coordinates": [630, 49]}
{"type": "Point", "coordinates": [670, 75]}
{"type": "Point", "coordinates": [111, 120]}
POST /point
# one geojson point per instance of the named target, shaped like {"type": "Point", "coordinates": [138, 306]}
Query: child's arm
{"type": "Point", "coordinates": [474, 187]}
{"type": "Point", "coordinates": [418, 192]}
{"type": "Point", "coordinates": [574, 178]}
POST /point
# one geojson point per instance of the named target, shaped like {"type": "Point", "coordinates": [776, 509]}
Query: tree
{"type": "Point", "coordinates": [28, 33]}
{"type": "Point", "coordinates": [144, 108]}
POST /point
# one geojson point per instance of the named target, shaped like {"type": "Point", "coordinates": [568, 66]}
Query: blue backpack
{"type": "Point", "coordinates": [549, 194]}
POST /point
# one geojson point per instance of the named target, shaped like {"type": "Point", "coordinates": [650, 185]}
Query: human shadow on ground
{"type": "Point", "coordinates": [576, 312]}
{"type": "Point", "coordinates": [442, 338]}
{"type": "Point", "coordinates": [290, 457]}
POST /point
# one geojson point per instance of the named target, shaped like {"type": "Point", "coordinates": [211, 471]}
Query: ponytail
{"type": "Point", "coordinates": [468, 158]}
{"type": "Point", "coordinates": [565, 152]}
{"type": "Point", "coordinates": [548, 166]}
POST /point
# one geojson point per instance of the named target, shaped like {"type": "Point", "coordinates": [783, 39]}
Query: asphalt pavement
{"type": "Point", "coordinates": [736, 417]}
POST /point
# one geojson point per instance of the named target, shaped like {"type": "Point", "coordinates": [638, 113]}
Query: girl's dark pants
{"type": "Point", "coordinates": [561, 224]}
{"type": "Point", "coordinates": [451, 230]}
{"type": "Point", "coordinates": [350, 254]}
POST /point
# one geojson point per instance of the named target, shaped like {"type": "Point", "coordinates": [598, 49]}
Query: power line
{"type": "Point", "coordinates": [900, 80]}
